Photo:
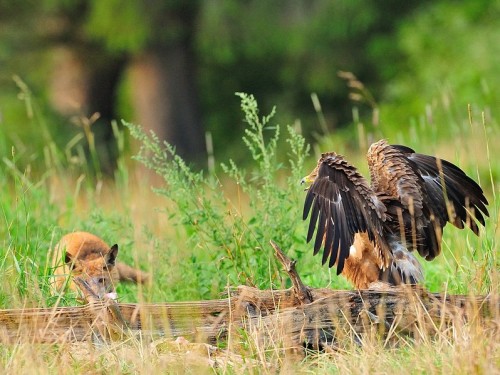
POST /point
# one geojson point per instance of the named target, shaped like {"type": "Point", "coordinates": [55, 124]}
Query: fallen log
{"type": "Point", "coordinates": [333, 311]}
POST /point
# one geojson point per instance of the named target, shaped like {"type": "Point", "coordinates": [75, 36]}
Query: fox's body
{"type": "Point", "coordinates": [85, 256]}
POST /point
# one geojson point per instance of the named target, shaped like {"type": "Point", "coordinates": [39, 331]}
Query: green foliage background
{"type": "Point", "coordinates": [411, 55]}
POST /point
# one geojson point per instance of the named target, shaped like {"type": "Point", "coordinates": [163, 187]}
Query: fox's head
{"type": "Point", "coordinates": [94, 271]}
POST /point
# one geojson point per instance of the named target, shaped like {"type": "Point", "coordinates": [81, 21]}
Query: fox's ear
{"type": "Point", "coordinates": [69, 260]}
{"type": "Point", "coordinates": [113, 253]}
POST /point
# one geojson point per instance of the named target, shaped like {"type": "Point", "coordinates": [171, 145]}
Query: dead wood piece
{"type": "Point", "coordinates": [330, 318]}
{"type": "Point", "coordinates": [51, 325]}
{"type": "Point", "coordinates": [344, 317]}
{"type": "Point", "coordinates": [303, 293]}
{"type": "Point", "coordinates": [250, 301]}
{"type": "Point", "coordinates": [200, 321]}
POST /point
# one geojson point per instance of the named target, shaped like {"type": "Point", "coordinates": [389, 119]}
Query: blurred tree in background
{"type": "Point", "coordinates": [91, 43]}
{"type": "Point", "coordinates": [174, 66]}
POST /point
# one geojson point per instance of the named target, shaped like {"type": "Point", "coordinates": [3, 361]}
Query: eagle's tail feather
{"type": "Point", "coordinates": [404, 268]}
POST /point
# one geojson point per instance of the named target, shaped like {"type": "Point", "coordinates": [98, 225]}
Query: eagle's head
{"type": "Point", "coordinates": [311, 177]}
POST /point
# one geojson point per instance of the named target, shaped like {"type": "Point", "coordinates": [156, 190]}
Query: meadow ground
{"type": "Point", "coordinates": [198, 232]}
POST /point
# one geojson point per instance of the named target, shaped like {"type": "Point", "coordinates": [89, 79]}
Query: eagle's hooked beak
{"type": "Point", "coordinates": [307, 180]}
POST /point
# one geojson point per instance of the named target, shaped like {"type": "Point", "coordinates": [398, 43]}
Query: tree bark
{"type": "Point", "coordinates": [270, 315]}
{"type": "Point", "coordinates": [83, 86]}
{"type": "Point", "coordinates": [164, 94]}
{"type": "Point", "coordinates": [165, 97]}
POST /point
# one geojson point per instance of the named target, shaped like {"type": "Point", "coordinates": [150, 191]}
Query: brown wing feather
{"type": "Point", "coordinates": [392, 175]}
{"type": "Point", "coordinates": [401, 188]}
{"type": "Point", "coordinates": [412, 211]}
{"type": "Point", "coordinates": [429, 192]}
{"type": "Point", "coordinates": [342, 204]}
{"type": "Point", "coordinates": [456, 197]}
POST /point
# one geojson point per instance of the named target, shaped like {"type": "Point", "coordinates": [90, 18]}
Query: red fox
{"type": "Point", "coordinates": [90, 259]}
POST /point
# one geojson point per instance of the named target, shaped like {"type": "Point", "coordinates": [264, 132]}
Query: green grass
{"type": "Point", "coordinates": [197, 232]}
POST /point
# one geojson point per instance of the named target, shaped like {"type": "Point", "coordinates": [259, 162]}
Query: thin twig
{"type": "Point", "coordinates": [303, 292]}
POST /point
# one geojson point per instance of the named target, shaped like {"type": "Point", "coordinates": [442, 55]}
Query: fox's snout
{"type": "Point", "coordinates": [101, 285]}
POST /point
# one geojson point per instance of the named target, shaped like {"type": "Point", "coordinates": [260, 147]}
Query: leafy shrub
{"type": "Point", "coordinates": [228, 241]}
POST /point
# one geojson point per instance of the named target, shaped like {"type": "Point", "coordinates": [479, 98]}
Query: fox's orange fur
{"type": "Point", "coordinates": [86, 256]}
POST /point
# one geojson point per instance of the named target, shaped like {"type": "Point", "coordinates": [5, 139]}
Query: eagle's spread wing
{"type": "Point", "coordinates": [431, 192]}
{"type": "Point", "coordinates": [395, 179]}
{"type": "Point", "coordinates": [342, 204]}
{"type": "Point", "coordinates": [451, 196]}
{"type": "Point", "coordinates": [457, 198]}
{"type": "Point", "coordinates": [393, 176]}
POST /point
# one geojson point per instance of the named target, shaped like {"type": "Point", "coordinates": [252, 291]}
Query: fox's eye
{"type": "Point", "coordinates": [101, 281]}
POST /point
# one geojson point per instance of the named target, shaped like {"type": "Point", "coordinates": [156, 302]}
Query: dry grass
{"type": "Point", "coordinates": [461, 347]}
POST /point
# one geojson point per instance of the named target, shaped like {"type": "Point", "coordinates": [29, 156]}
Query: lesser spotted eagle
{"type": "Point", "coordinates": [369, 230]}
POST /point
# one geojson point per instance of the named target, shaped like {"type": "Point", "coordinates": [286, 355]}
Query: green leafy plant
{"type": "Point", "coordinates": [227, 240]}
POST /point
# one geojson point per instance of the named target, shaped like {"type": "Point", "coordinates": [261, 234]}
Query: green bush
{"type": "Point", "coordinates": [228, 237]}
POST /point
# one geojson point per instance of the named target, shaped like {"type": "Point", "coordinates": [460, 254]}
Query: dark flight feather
{"type": "Point", "coordinates": [344, 204]}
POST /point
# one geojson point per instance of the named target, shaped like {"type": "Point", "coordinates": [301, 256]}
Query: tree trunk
{"type": "Point", "coordinates": [84, 83]}
{"type": "Point", "coordinates": [165, 98]}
